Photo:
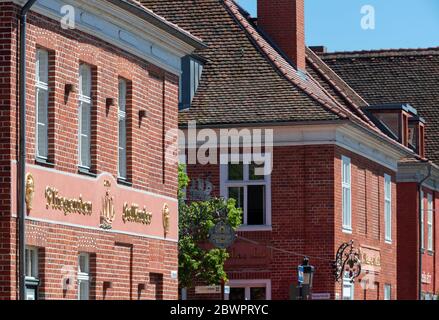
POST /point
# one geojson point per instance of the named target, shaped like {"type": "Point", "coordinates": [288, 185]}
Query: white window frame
{"type": "Point", "coordinates": [388, 208]}
{"type": "Point", "coordinates": [40, 85]}
{"type": "Point", "coordinates": [84, 99]}
{"type": "Point", "coordinates": [122, 116]}
{"type": "Point", "coordinates": [422, 220]}
{"type": "Point", "coordinates": [430, 211]}
{"type": "Point", "coordinates": [248, 284]}
{"type": "Point", "coordinates": [348, 285]}
{"type": "Point", "coordinates": [83, 276]}
{"type": "Point", "coordinates": [387, 292]}
{"type": "Point", "coordinates": [32, 269]}
{"type": "Point", "coordinates": [225, 184]}
{"type": "Point", "coordinates": [346, 184]}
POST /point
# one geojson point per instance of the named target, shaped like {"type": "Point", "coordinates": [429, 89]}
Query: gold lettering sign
{"type": "Point", "coordinates": [56, 202]}
{"type": "Point", "coordinates": [30, 191]}
{"type": "Point", "coordinates": [166, 219]}
{"type": "Point", "coordinates": [132, 213]}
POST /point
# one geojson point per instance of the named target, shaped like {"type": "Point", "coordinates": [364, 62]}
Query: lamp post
{"type": "Point", "coordinates": [306, 275]}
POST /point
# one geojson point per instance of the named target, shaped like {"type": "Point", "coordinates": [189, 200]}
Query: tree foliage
{"type": "Point", "coordinates": [197, 260]}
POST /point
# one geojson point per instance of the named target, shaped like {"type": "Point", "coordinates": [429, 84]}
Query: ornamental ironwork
{"type": "Point", "coordinates": [347, 262]}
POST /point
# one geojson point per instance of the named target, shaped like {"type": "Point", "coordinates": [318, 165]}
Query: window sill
{"type": "Point", "coordinates": [124, 182]}
{"type": "Point", "coordinates": [86, 172]}
{"type": "Point", "coordinates": [44, 162]}
{"type": "Point", "coordinates": [255, 228]}
{"type": "Point", "coordinates": [430, 252]}
{"type": "Point", "coordinates": [346, 230]}
{"type": "Point", "coordinates": [388, 242]}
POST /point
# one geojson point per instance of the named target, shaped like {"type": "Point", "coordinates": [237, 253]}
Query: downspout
{"type": "Point", "coordinates": [421, 199]}
{"type": "Point", "coordinates": [22, 154]}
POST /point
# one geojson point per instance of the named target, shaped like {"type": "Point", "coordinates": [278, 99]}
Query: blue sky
{"type": "Point", "coordinates": [398, 23]}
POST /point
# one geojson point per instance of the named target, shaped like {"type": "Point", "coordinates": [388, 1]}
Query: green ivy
{"type": "Point", "coordinates": [197, 261]}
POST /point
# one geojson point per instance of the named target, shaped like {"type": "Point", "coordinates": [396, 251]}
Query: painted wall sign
{"type": "Point", "coordinates": [100, 202]}
{"type": "Point", "coordinates": [132, 213]}
{"type": "Point", "coordinates": [208, 289]}
{"type": "Point", "coordinates": [370, 259]}
{"type": "Point", "coordinates": [426, 278]}
{"type": "Point", "coordinates": [73, 205]}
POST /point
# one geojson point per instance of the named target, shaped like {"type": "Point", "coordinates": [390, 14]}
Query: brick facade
{"type": "Point", "coordinates": [307, 220]}
{"type": "Point", "coordinates": [124, 265]}
{"type": "Point", "coordinates": [408, 234]}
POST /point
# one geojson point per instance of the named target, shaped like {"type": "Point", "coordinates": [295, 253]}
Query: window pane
{"type": "Point", "coordinates": [85, 80]}
{"type": "Point", "coordinates": [256, 205]}
{"type": "Point", "coordinates": [122, 95]}
{"type": "Point", "coordinates": [253, 175]}
{"type": "Point", "coordinates": [84, 290]}
{"type": "Point", "coordinates": [85, 134]}
{"type": "Point", "coordinates": [236, 172]}
{"type": "Point", "coordinates": [42, 123]}
{"type": "Point", "coordinates": [257, 294]}
{"type": "Point", "coordinates": [42, 66]}
{"type": "Point", "coordinates": [237, 194]}
{"type": "Point", "coordinates": [237, 294]}
{"type": "Point", "coordinates": [122, 149]}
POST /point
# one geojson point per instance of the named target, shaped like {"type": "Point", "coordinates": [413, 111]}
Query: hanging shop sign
{"type": "Point", "coordinates": [132, 213]}
{"type": "Point", "coordinates": [347, 262]}
{"type": "Point", "coordinates": [73, 205]}
{"type": "Point", "coordinates": [222, 235]}
{"type": "Point", "coordinates": [200, 189]}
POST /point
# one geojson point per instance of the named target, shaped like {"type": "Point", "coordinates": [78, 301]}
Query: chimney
{"type": "Point", "coordinates": [284, 22]}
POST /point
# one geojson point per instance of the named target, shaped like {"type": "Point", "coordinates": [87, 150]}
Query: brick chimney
{"type": "Point", "coordinates": [284, 22]}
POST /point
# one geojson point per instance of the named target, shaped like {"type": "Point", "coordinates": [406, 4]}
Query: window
{"type": "Point", "coordinates": [252, 290]}
{"type": "Point", "coordinates": [84, 276]}
{"type": "Point", "coordinates": [122, 129]}
{"type": "Point", "coordinates": [430, 210]}
{"type": "Point", "coordinates": [192, 69]}
{"type": "Point", "coordinates": [388, 207]}
{"type": "Point", "coordinates": [85, 78]}
{"type": "Point", "coordinates": [346, 194]}
{"type": "Point", "coordinates": [422, 221]}
{"type": "Point", "coordinates": [348, 289]}
{"type": "Point", "coordinates": [251, 192]}
{"type": "Point", "coordinates": [387, 292]}
{"type": "Point", "coordinates": [42, 104]}
{"type": "Point", "coordinates": [31, 270]}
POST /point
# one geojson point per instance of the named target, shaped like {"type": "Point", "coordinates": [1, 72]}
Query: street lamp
{"type": "Point", "coordinates": [306, 274]}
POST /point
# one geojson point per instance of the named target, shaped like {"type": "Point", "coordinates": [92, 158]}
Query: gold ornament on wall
{"type": "Point", "coordinates": [166, 219]}
{"type": "Point", "coordinates": [108, 213]}
{"type": "Point", "coordinates": [30, 191]}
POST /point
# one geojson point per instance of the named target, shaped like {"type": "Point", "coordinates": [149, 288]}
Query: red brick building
{"type": "Point", "coordinates": [334, 163]}
{"type": "Point", "coordinates": [102, 91]}
{"type": "Point", "coordinates": [410, 76]}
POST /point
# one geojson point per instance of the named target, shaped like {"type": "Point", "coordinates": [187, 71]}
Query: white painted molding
{"type": "Point", "coordinates": [120, 28]}
{"type": "Point", "coordinates": [345, 135]}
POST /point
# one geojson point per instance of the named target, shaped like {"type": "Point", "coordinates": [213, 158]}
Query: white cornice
{"type": "Point", "coordinates": [120, 28]}
{"type": "Point", "coordinates": [342, 134]}
{"type": "Point", "coordinates": [417, 171]}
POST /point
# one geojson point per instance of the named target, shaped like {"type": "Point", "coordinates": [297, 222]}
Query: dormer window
{"type": "Point", "coordinates": [192, 69]}
{"type": "Point", "coordinates": [401, 123]}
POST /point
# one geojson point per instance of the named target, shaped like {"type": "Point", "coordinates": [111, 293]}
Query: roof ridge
{"type": "Point", "coordinates": [381, 53]}
{"type": "Point", "coordinates": [336, 87]}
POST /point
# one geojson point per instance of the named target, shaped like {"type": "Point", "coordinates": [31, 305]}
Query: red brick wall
{"type": "Point", "coordinates": [153, 90]}
{"type": "Point", "coordinates": [408, 234]}
{"type": "Point", "coordinates": [367, 179]}
{"type": "Point", "coordinates": [307, 218]}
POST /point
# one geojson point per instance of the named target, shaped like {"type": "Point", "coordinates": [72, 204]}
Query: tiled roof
{"type": "Point", "coordinates": [396, 76]}
{"type": "Point", "coordinates": [247, 80]}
